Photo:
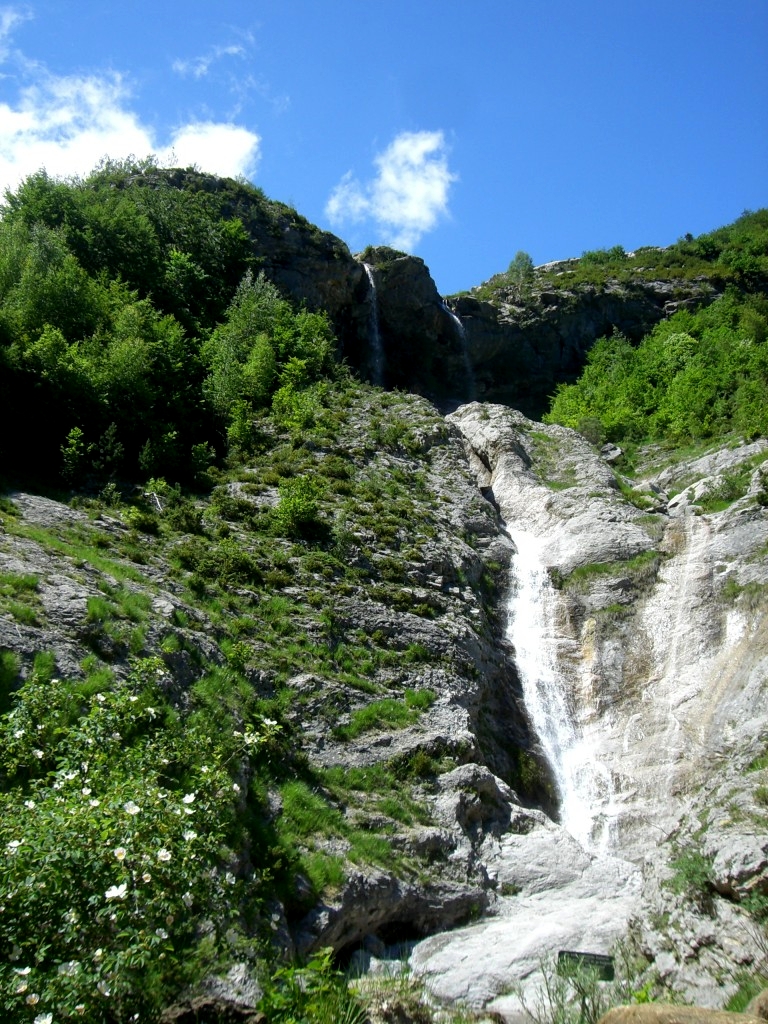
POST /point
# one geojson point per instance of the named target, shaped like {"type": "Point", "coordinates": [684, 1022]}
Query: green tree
{"type": "Point", "coordinates": [520, 272]}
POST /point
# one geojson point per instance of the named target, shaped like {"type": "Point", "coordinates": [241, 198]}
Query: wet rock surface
{"type": "Point", "coordinates": [659, 638]}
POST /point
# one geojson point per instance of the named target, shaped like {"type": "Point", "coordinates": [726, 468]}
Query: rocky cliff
{"type": "Point", "coordinates": [650, 618]}
{"type": "Point", "coordinates": [482, 692]}
{"type": "Point", "coordinates": [522, 348]}
{"type": "Point", "coordinates": [513, 349]}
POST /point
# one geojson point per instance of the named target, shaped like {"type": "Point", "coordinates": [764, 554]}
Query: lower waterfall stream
{"type": "Point", "coordinates": [583, 785]}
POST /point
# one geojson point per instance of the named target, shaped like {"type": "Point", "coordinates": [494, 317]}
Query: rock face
{"type": "Point", "coordinates": [420, 599]}
{"type": "Point", "coordinates": [652, 625]}
{"type": "Point", "coordinates": [424, 347]}
{"type": "Point", "coordinates": [520, 352]}
{"type": "Point", "coordinates": [501, 351]}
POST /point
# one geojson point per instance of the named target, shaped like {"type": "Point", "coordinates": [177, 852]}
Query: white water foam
{"type": "Point", "coordinates": [583, 785]}
{"type": "Point", "coordinates": [461, 331]}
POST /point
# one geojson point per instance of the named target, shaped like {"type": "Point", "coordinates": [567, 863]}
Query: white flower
{"type": "Point", "coordinates": [94, 803]}
{"type": "Point", "coordinates": [100, 698]}
{"type": "Point", "coordinates": [146, 877]}
{"type": "Point", "coordinates": [130, 807]}
{"type": "Point", "coordinates": [119, 852]}
{"type": "Point", "coordinates": [80, 1008]}
{"type": "Point", "coordinates": [43, 1018]}
{"type": "Point", "coordinates": [229, 878]}
{"type": "Point", "coordinates": [98, 954]}
{"type": "Point", "coordinates": [187, 899]}
{"type": "Point", "coordinates": [151, 712]}
{"type": "Point", "coordinates": [38, 754]}
{"type": "Point", "coordinates": [161, 933]}
{"type": "Point", "coordinates": [269, 721]}
{"type": "Point", "coordinates": [86, 791]}
{"type": "Point", "coordinates": [103, 987]}
{"type": "Point", "coordinates": [116, 892]}
{"type": "Point", "coordinates": [29, 803]}
{"type": "Point", "coordinates": [188, 798]}
{"type": "Point", "coordinates": [69, 776]}
{"type": "Point", "coordinates": [189, 835]}
{"type": "Point", "coordinates": [235, 787]}
{"type": "Point", "coordinates": [21, 987]}
{"type": "Point", "coordinates": [18, 734]}
{"type": "Point", "coordinates": [116, 736]}
{"type": "Point", "coordinates": [14, 845]}
{"type": "Point", "coordinates": [23, 971]}
{"type": "Point", "coordinates": [33, 998]}
{"type": "Point", "coordinates": [164, 855]}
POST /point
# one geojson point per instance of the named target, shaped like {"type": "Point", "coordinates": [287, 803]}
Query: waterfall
{"type": "Point", "coordinates": [374, 334]}
{"type": "Point", "coordinates": [461, 331]}
{"type": "Point", "coordinates": [583, 785]}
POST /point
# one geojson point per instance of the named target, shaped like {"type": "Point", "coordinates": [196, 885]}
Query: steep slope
{"type": "Point", "coordinates": [342, 655]}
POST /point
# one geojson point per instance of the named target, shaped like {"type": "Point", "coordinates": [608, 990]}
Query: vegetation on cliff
{"type": "Point", "coordinates": [735, 254]}
{"type": "Point", "coordinates": [134, 328]}
{"type": "Point", "coordinates": [698, 374]}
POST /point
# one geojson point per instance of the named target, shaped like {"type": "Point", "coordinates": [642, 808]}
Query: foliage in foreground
{"type": "Point", "coordinates": [576, 993]}
{"type": "Point", "coordinates": [117, 823]}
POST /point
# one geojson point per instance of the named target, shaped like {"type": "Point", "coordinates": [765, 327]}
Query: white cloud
{"type": "Point", "coordinates": [198, 67]}
{"type": "Point", "coordinates": [67, 124]}
{"type": "Point", "coordinates": [10, 17]}
{"type": "Point", "coordinates": [221, 148]}
{"type": "Point", "coordinates": [408, 195]}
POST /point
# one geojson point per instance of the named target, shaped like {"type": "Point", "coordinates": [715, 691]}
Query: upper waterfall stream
{"type": "Point", "coordinates": [374, 331]}
{"type": "Point", "coordinates": [583, 785]}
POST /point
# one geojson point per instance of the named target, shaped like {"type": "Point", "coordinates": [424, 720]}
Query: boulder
{"type": "Point", "coordinates": [211, 1010]}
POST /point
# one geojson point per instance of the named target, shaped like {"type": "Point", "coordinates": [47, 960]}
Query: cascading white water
{"type": "Point", "coordinates": [374, 333]}
{"type": "Point", "coordinates": [464, 342]}
{"type": "Point", "coordinates": [583, 785]}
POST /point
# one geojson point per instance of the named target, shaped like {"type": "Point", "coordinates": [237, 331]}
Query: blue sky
{"type": "Point", "coordinates": [460, 131]}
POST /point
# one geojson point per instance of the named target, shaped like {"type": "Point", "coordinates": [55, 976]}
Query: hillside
{"type": "Point", "coordinates": [268, 615]}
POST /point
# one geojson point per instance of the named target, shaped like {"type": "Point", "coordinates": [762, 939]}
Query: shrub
{"type": "Point", "coordinates": [296, 514]}
{"type": "Point", "coordinates": [120, 811]}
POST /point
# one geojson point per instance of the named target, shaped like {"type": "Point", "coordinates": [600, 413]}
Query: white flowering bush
{"type": "Point", "coordinates": [117, 820]}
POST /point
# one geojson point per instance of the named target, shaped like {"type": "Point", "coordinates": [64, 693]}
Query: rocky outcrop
{"type": "Point", "coordinates": [654, 622]}
{"type": "Point", "coordinates": [504, 351]}
{"type": "Point", "coordinates": [424, 348]}
{"type": "Point", "coordinates": [421, 600]}
{"type": "Point", "coordinates": [521, 351]}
